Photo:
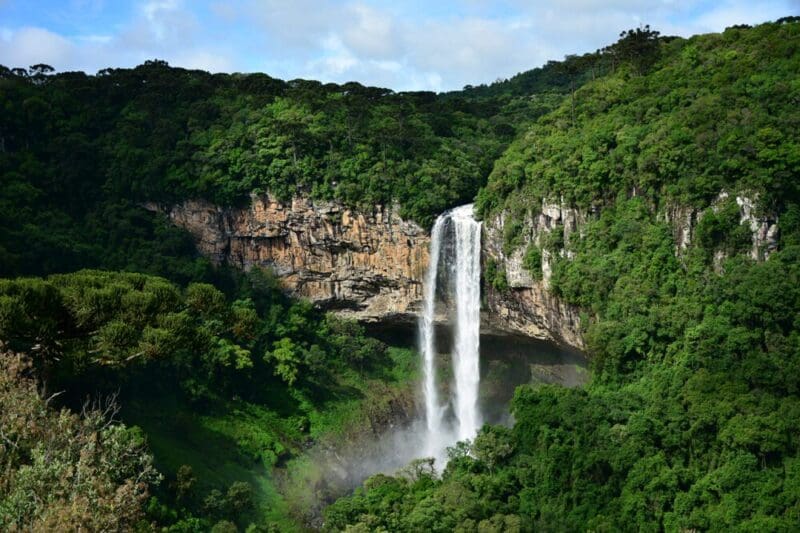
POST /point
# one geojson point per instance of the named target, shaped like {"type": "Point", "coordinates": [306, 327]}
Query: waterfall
{"type": "Point", "coordinates": [467, 289]}
{"type": "Point", "coordinates": [427, 339]}
{"type": "Point", "coordinates": [463, 261]}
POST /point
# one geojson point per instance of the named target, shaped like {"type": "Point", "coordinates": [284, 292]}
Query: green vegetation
{"type": "Point", "coordinates": [712, 113]}
{"type": "Point", "coordinates": [198, 372]}
{"type": "Point", "coordinates": [719, 229]}
{"type": "Point", "coordinates": [637, 47]}
{"type": "Point", "coordinates": [512, 235]}
{"type": "Point", "coordinates": [532, 260]}
{"type": "Point", "coordinates": [79, 154]}
{"type": "Point", "coordinates": [59, 471]}
{"type": "Point", "coordinates": [222, 371]}
{"type": "Point", "coordinates": [495, 275]}
{"type": "Point", "coordinates": [691, 419]}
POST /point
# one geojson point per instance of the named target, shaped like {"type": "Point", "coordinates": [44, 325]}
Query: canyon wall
{"type": "Point", "coordinates": [370, 264]}
{"type": "Point", "coordinates": [528, 306]}
{"type": "Point", "coordinates": [366, 265]}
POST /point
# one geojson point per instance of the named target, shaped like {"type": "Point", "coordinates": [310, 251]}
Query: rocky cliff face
{"type": "Point", "coordinates": [528, 306]}
{"type": "Point", "coordinates": [368, 265]}
{"type": "Point", "coordinates": [763, 228]}
{"type": "Point", "coordinates": [371, 265]}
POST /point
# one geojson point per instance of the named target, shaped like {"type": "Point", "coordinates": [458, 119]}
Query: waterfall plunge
{"type": "Point", "coordinates": [464, 268]}
{"type": "Point", "coordinates": [466, 356]}
{"type": "Point", "coordinates": [427, 336]}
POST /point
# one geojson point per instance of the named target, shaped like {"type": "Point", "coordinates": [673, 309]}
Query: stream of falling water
{"type": "Point", "coordinates": [427, 336]}
{"type": "Point", "coordinates": [463, 262]}
{"type": "Point", "coordinates": [467, 289]}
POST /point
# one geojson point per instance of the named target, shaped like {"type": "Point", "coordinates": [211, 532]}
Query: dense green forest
{"type": "Point", "coordinates": [257, 377]}
{"type": "Point", "coordinates": [152, 389]}
{"type": "Point", "coordinates": [691, 421]}
{"type": "Point", "coordinates": [227, 376]}
{"type": "Point", "coordinates": [77, 150]}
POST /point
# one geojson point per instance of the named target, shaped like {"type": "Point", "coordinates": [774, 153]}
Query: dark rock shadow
{"type": "Point", "coordinates": [507, 361]}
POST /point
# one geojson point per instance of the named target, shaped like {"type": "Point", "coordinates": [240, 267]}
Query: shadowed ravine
{"type": "Point", "coordinates": [467, 379]}
{"type": "Point", "coordinates": [505, 362]}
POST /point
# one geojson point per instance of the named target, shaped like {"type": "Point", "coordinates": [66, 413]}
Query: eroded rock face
{"type": "Point", "coordinates": [683, 220]}
{"type": "Point", "coordinates": [528, 306]}
{"type": "Point", "coordinates": [763, 228]}
{"type": "Point", "coordinates": [369, 266]}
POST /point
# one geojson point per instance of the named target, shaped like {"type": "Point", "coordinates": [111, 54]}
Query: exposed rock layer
{"type": "Point", "coordinates": [366, 265]}
{"type": "Point", "coordinates": [371, 265]}
{"type": "Point", "coordinates": [763, 228]}
{"type": "Point", "coordinates": [528, 306]}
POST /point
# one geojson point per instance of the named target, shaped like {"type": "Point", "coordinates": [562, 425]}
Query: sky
{"type": "Point", "coordinates": [404, 45]}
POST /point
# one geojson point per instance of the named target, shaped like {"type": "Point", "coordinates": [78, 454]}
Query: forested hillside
{"type": "Point", "coordinates": [249, 382]}
{"type": "Point", "coordinates": [232, 382]}
{"type": "Point", "coordinates": [79, 153]}
{"type": "Point", "coordinates": [691, 419]}
{"type": "Point", "coordinates": [174, 394]}
{"type": "Point", "coordinates": [229, 378]}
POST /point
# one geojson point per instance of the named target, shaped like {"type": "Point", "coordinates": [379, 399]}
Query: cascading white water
{"type": "Point", "coordinates": [466, 357]}
{"type": "Point", "coordinates": [465, 286]}
{"type": "Point", "coordinates": [427, 339]}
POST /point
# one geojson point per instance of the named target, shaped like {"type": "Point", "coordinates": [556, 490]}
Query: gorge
{"type": "Point", "coordinates": [230, 302]}
{"type": "Point", "coordinates": [366, 264]}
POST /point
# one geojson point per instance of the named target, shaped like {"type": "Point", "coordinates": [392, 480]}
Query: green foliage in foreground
{"type": "Point", "coordinates": [107, 324]}
{"type": "Point", "coordinates": [199, 373]}
{"type": "Point", "coordinates": [62, 472]}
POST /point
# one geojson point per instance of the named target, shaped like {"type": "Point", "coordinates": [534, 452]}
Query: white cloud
{"type": "Point", "coordinates": [441, 52]}
{"type": "Point", "coordinates": [101, 39]}
{"type": "Point", "coordinates": [163, 29]}
{"type": "Point", "coordinates": [389, 66]}
{"type": "Point", "coordinates": [470, 50]}
{"type": "Point", "coordinates": [730, 13]}
{"type": "Point", "coordinates": [153, 8]}
{"type": "Point", "coordinates": [163, 22]}
{"type": "Point", "coordinates": [28, 46]}
{"type": "Point", "coordinates": [296, 24]}
{"type": "Point", "coordinates": [370, 32]}
{"type": "Point", "coordinates": [402, 45]}
{"type": "Point", "coordinates": [336, 60]}
{"type": "Point", "coordinates": [204, 60]}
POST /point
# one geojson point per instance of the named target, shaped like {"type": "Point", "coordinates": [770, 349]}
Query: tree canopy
{"type": "Point", "coordinates": [690, 421]}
